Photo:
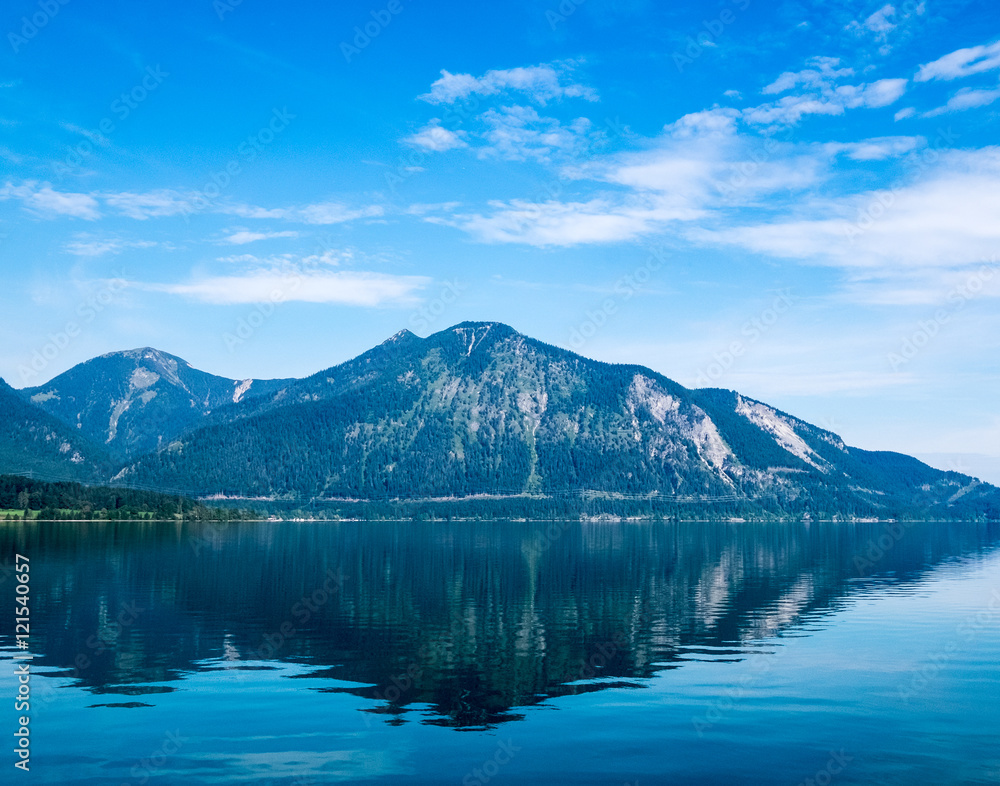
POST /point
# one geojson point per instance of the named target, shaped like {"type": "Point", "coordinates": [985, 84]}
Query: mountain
{"type": "Point", "coordinates": [31, 440]}
{"type": "Point", "coordinates": [135, 401]}
{"type": "Point", "coordinates": [479, 409]}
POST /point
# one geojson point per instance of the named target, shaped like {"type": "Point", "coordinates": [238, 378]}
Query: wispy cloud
{"type": "Point", "coordinates": [518, 133]}
{"type": "Point", "coordinates": [961, 63]}
{"type": "Point", "coordinates": [554, 223]}
{"type": "Point", "coordinates": [93, 136]}
{"type": "Point", "coordinates": [880, 23]}
{"type": "Point", "coordinates": [437, 139]}
{"type": "Point", "coordinates": [826, 99]}
{"type": "Point", "coordinates": [945, 219]}
{"type": "Point", "coordinates": [824, 71]}
{"type": "Point", "coordinates": [43, 201]}
{"type": "Point", "coordinates": [966, 98]}
{"type": "Point", "coordinates": [687, 173]}
{"type": "Point", "coordinates": [877, 148]}
{"type": "Point", "coordinates": [291, 283]}
{"type": "Point", "coordinates": [541, 84]}
{"type": "Point", "coordinates": [87, 245]}
{"type": "Point", "coordinates": [150, 204]}
{"type": "Point", "coordinates": [317, 213]}
{"type": "Point", "coordinates": [243, 236]}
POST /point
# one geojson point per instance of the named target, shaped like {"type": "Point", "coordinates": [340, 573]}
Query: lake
{"type": "Point", "coordinates": [507, 653]}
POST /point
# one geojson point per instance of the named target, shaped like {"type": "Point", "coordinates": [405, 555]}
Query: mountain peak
{"type": "Point", "coordinates": [402, 335]}
{"type": "Point", "coordinates": [469, 336]}
{"type": "Point", "coordinates": [146, 353]}
{"type": "Point", "coordinates": [472, 325]}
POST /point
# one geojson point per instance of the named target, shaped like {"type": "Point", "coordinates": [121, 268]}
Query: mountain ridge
{"type": "Point", "coordinates": [132, 401]}
{"type": "Point", "coordinates": [480, 410]}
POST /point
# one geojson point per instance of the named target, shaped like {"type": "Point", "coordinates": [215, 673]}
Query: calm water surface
{"type": "Point", "coordinates": [508, 653]}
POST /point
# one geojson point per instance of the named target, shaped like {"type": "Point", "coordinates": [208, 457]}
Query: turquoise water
{"type": "Point", "coordinates": [508, 653]}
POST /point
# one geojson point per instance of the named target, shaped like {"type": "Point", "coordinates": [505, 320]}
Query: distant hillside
{"type": "Point", "coordinates": [31, 439]}
{"type": "Point", "coordinates": [136, 401]}
{"type": "Point", "coordinates": [479, 409]}
{"type": "Point", "coordinates": [475, 420]}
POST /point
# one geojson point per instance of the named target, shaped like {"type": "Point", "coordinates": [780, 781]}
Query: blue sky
{"type": "Point", "coordinates": [796, 200]}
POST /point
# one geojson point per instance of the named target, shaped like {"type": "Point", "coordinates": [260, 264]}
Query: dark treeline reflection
{"type": "Point", "coordinates": [472, 619]}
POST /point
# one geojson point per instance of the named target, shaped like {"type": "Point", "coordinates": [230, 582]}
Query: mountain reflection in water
{"type": "Point", "coordinates": [466, 621]}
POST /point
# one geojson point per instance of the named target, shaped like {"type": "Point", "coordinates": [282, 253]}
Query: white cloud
{"type": "Point", "coordinates": [94, 136]}
{"type": "Point", "coordinates": [43, 201]}
{"type": "Point", "coordinates": [289, 262]}
{"type": "Point", "coordinates": [902, 114]}
{"type": "Point", "coordinates": [824, 73]}
{"type": "Point", "coordinates": [541, 83]}
{"type": "Point", "coordinates": [707, 123]}
{"type": "Point", "coordinates": [244, 236]}
{"type": "Point", "coordinates": [826, 99]}
{"type": "Point", "coordinates": [950, 287]}
{"type": "Point", "coordinates": [790, 109]}
{"type": "Point", "coordinates": [699, 163]}
{"type": "Point", "coordinates": [966, 98]}
{"type": "Point", "coordinates": [701, 158]}
{"type": "Point", "coordinates": [151, 204]}
{"type": "Point", "coordinates": [434, 137]}
{"type": "Point", "coordinates": [85, 245]}
{"type": "Point", "coordinates": [874, 94]}
{"type": "Point", "coordinates": [961, 62]}
{"type": "Point", "coordinates": [517, 133]}
{"type": "Point", "coordinates": [885, 23]}
{"type": "Point", "coordinates": [877, 148]}
{"type": "Point", "coordinates": [334, 213]}
{"type": "Point", "coordinates": [423, 208]}
{"type": "Point", "coordinates": [288, 283]}
{"type": "Point", "coordinates": [317, 213]}
{"type": "Point", "coordinates": [553, 223]}
{"type": "Point", "coordinates": [880, 23]}
{"type": "Point", "coordinates": [255, 211]}
{"type": "Point", "coordinates": [946, 220]}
